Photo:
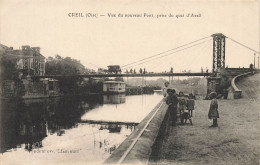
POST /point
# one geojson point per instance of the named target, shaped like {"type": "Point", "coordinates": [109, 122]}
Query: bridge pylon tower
{"type": "Point", "coordinates": [219, 45]}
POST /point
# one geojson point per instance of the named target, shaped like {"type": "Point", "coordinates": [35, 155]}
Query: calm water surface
{"type": "Point", "coordinates": [69, 130]}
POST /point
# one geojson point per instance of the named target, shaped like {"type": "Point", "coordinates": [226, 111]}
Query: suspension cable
{"type": "Point", "coordinates": [164, 52]}
{"type": "Point", "coordinates": [243, 45]}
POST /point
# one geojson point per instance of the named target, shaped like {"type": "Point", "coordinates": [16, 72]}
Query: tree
{"type": "Point", "coordinates": [63, 66]}
{"type": "Point", "coordinates": [9, 71]}
{"type": "Point", "coordinates": [8, 68]}
{"type": "Point", "coordinates": [140, 71]}
{"type": "Point", "coordinates": [71, 85]}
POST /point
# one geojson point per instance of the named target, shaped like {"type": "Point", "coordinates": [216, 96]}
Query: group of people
{"type": "Point", "coordinates": [185, 106]}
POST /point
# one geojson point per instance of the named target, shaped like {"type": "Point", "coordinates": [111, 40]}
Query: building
{"type": "Point", "coordinates": [50, 87]}
{"type": "Point", "coordinates": [7, 89]}
{"type": "Point", "coordinates": [114, 87]}
{"type": "Point", "coordinates": [44, 88]}
{"type": "Point", "coordinates": [31, 61]}
{"type": "Point", "coordinates": [3, 49]}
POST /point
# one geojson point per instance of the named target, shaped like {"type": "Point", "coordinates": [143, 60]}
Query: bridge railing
{"type": "Point", "coordinates": [237, 93]}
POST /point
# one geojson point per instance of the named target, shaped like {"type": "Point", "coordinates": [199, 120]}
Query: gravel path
{"type": "Point", "coordinates": [235, 141]}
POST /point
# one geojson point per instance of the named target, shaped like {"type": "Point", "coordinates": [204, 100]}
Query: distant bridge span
{"type": "Point", "coordinates": [125, 75]}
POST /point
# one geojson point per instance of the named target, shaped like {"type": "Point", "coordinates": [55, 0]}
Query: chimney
{"type": "Point", "coordinates": [37, 49]}
{"type": "Point", "coordinates": [25, 47]}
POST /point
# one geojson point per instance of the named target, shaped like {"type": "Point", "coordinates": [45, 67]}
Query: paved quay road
{"type": "Point", "coordinates": [235, 141]}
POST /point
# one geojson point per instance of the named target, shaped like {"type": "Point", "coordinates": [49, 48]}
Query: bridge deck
{"type": "Point", "coordinates": [126, 75]}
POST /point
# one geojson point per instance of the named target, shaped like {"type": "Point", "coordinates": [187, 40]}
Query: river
{"type": "Point", "coordinates": [69, 130]}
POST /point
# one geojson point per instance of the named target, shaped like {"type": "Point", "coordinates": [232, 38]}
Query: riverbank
{"type": "Point", "coordinates": [234, 141]}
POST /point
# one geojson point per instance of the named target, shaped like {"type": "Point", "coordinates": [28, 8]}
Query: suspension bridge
{"type": "Point", "coordinates": [218, 44]}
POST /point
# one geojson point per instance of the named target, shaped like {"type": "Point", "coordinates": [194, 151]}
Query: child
{"type": "Point", "coordinates": [185, 115]}
{"type": "Point", "coordinates": [172, 102]}
{"type": "Point", "coordinates": [190, 104]}
{"type": "Point", "coordinates": [213, 110]}
{"type": "Point", "coordinates": [182, 103]}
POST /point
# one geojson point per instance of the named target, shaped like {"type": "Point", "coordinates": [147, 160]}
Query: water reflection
{"type": "Point", "coordinates": [134, 109]}
{"type": "Point", "coordinates": [114, 99]}
{"type": "Point", "coordinates": [61, 125]}
{"type": "Point", "coordinates": [29, 121]}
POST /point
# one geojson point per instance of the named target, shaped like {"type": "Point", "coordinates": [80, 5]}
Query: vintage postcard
{"type": "Point", "coordinates": [129, 82]}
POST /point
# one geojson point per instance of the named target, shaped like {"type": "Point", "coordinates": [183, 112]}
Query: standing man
{"type": "Point", "coordinates": [225, 93]}
{"type": "Point", "coordinates": [172, 101]}
{"type": "Point", "coordinates": [166, 86]}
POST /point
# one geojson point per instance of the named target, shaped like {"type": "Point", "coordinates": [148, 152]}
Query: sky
{"type": "Point", "coordinates": [103, 41]}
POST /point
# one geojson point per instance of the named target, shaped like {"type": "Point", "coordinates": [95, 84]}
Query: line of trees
{"type": "Point", "coordinates": [73, 85]}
